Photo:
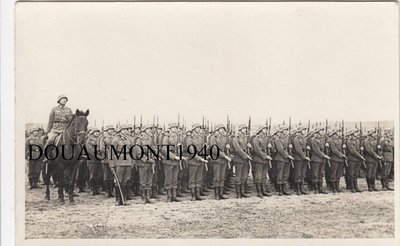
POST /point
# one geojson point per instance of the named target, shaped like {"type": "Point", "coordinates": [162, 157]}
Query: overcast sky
{"type": "Point", "coordinates": [304, 60]}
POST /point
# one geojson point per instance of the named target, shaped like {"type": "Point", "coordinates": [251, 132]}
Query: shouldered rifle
{"type": "Point", "coordinates": [378, 146]}
{"type": "Point", "coordinates": [227, 145]}
{"type": "Point", "coordinates": [268, 145]}
{"type": "Point", "coordinates": [326, 149]}
{"type": "Point", "coordinates": [344, 148]}
{"type": "Point", "coordinates": [248, 143]}
{"type": "Point", "coordinates": [361, 145]}
{"type": "Point", "coordinates": [290, 142]}
{"type": "Point", "coordinates": [178, 148]}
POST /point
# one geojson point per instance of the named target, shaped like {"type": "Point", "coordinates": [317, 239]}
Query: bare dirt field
{"type": "Point", "coordinates": [344, 215]}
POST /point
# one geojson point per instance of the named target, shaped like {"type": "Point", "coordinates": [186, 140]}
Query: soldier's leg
{"type": "Point", "coordinates": [373, 176]}
{"type": "Point", "coordinates": [210, 177]}
{"type": "Point", "coordinates": [265, 186]}
{"type": "Point", "coordinates": [368, 174]}
{"type": "Point", "coordinates": [217, 174]}
{"type": "Point", "coordinates": [332, 175]}
{"type": "Point", "coordinates": [280, 166]}
{"type": "Point", "coordinates": [321, 174]}
{"type": "Point", "coordinates": [198, 180]}
{"type": "Point", "coordinates": [85, 173]}
{"type": "Point", "coordinates": [351, 175]}
{"type": "Point", "coordinates": [222, 174]}
{"type": "Point", "coordinates": [142, 180]}
{"type": "Point", "coordinates": [168, 181]}
{"type": "Point", "coordinates": [161, 179]}
{"type": "Point", "coordinates": [175, 171]}
{"type": "Point", "coordinates": [388, 170]}
{"type": "Point", "coordinates": [272, 175]}
{"type": "Point", "coordinates": [245, 174]}
{"type": "Point", "coordinates": [357, 170]}
{"type": "Point", "coordinates": [257, 177]}
{"type": "Point", "coordinates": [92, 181]}
{"type": "Point", "coordinates": [36, 173]}
{"type": "Point", "coordinates": [314, 174]}
{"type": "Point", "coordinates": [31, 167]}
{"type": "Point", "coordinates": [286, 173]}
{"type": "Point", "coordinates": [297, 175]}
{"type": "Point", "coordinates": [238, 178]}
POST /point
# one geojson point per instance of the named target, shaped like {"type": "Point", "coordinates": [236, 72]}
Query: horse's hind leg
{"type": "Point", "coordinates": [46, 179]}
{"type": "Point", "coordinates": [60, 176]}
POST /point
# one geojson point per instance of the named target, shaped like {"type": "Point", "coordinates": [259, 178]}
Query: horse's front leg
{"type": "Point", "coordinates": [61, 182]}
{"type": "Point", "coordinates": [46, 178]}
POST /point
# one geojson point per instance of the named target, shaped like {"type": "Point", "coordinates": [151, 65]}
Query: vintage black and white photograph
{"type": "Point", "coordinates": [206, 120]}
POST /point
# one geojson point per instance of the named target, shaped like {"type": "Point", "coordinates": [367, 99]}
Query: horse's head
{"type": "Point", "coordinates": [79, 126]}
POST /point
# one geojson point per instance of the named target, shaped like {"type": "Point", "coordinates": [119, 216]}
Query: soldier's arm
{"type": "Point", "coordinates": [90, 149]}
{"type": "Point", "coordinates": [257, 148]}
{"type": "Point", "coordinates": [51, 119]}
{"type": "Point", "coordinates": [27, 148]}
{"type": "Point", "coordinates": [164, 149]}
{"type": "Point", "coordinates": [239, 149]}
{"type": "Point", "coordinates": [333, 148]}
{"type": "Point", "coordinates": [352, 149]}
{"type": "Point", "coordinates": [213, 141]}
{"type": "Point", "coordinates": [280, 149]}
{"type": "Point", "coordinates": [369, 150]}
{"type": "Point", "coordinates": [315, 148]}
{"type": "Point", "coordinates": [298, 148]}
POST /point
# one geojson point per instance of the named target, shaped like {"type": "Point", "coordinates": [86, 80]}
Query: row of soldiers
{"type": "Point", "coordinates": [278, 159]}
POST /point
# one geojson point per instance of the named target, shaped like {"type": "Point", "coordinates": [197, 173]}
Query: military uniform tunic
{"type": "Point", "coordinates": [353, 158]}
{"type": "Point", "coordinates": [260, 161]}
{"type": "Point", "coordinates": [146, 164]}
{"type": "Point", "coordinates": [122, 165]}
{"type": "Point", "coordinates": [335, 146]}
{"type": "Point", "coordinates": [317, 159]}
{"type": "Point", "coordinates": [299, 156]}
{"type": "Point", "coordinates": [34, 164]}
{"type": "Point", "coordinates": [94, 164]}
{"type": "Point", "coordinates": [220, 164]}
{"type": "Point", "coordinates": [240, 160]}
{"type": "Point", "coordinates": [282, 160]}
{"type": "Point", "coordinates": [171, 166]}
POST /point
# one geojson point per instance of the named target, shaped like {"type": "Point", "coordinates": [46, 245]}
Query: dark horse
{"type": "Point", "coordinates": [64, 166]}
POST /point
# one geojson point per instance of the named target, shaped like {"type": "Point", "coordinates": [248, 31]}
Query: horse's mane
{"type": "Point", "coordinates": [71, 120]}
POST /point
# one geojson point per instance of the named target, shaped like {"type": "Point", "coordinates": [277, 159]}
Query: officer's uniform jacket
{"type": "Point", "coordinates": [220, 141]}
{"type": "Point", "coordinates": [335, 146]}
{"type": "Point", "coordinates": [240, 147]}
{"type": "Point", "coordinates": [370, 145]}
{"type": "Point", "coordinates": [282, 147]}
{"type": "Point", "coordinates": [387, 149]}
{"type": "Point", "coordinates": [169, 156]}
{"type": "Point", "coordinates": [90, 144]}
{"type": "Point", "coordinates": [105, 143]}
{"type": "Point", "coordinates": [260, 146]}
{"type": "Point", "coordinates": [299, 145]}
{"type": "Point", "coordinates": [353, 150]}
{"type": "Point", "coordinates": [198, 141]}
{"type": "Point", "coordinates": [317, 146]}
{"type": "Point", "coordinates": [59, 118]}
{"type": "Point", "coordinates": [119, 141]}
{"type": "Point", "coordinates": [147, 158]}
{"type": "Point", "coordinates": [35, 150]}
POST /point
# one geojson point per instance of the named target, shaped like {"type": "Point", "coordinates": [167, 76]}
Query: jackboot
{"type": "Point", "coordinates": [93, 187]}
{"type": "Point", "coordinates": [356, 185]}
{"type": "Point", "coordinates": [337, 185]}
{"type": "Point", "coordinates": [280, 189]}
{"type": "Point", "coordinates": [110, 188]}
{"type": "Point", "coordinates": [30, 183]}
{"type": "Point", "coordinates": [298, 190]}
{"type": "Point", "coordinates": [154, 192]}
{"type": "Point", "coordinates": [178, 191]}
{"type": "Point", "coordinates": [316, 187]}
{"type": "Point", "coordinates": [369, 184]}
{"type": "Point", "coordinates": [193, 194]}
{"type": "Point", "coordinates": [198, 191]}
{"type": "Point", "coordinates": [247, 188]}
{"type": "Point", "coordinates": [284, 191]}
{"type": "Point", "coordinates": [258, 188]}
{"type": "Point", "coordinates": [144, 196]}
{"type": "Point", "coordinates": [161, 191]}
{"type": "Point", "coordinates": [387, 185]}
{"type": "Point", "coordinates": [216, 195]}
{"type": "Point", "coordinates": [265, 192]}
{"type": "Point", "coordinates": [237, 188]}
{"type": "Point", "coordinates": [383, 182]}
{"type": "Point", "coordinates": [242, 192]}
{"type": "Point", "coordinates": [202, 191]}
{"type": "Point", "coordinates": [302, 191]}
{"type": "Point", "coordinates": [373, 185]}
{"type": "Point", "coordinates": [174, 197]}
{"type": "Point", "coordinates": [221, 193]}
{"type": "Point", "coordinates": [333, 186]}
{"type": "Point", "coordinates": [147, 198]}
{"type": "Point", "coordinates": [352, 187]}
{"type": "Point", "coordinates": [169, 195]}
{"type": "Point", "coordinates": [321, 188]}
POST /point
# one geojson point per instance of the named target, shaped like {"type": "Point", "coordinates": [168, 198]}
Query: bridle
{"type": "Point", "coordinates": [78, 134]}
